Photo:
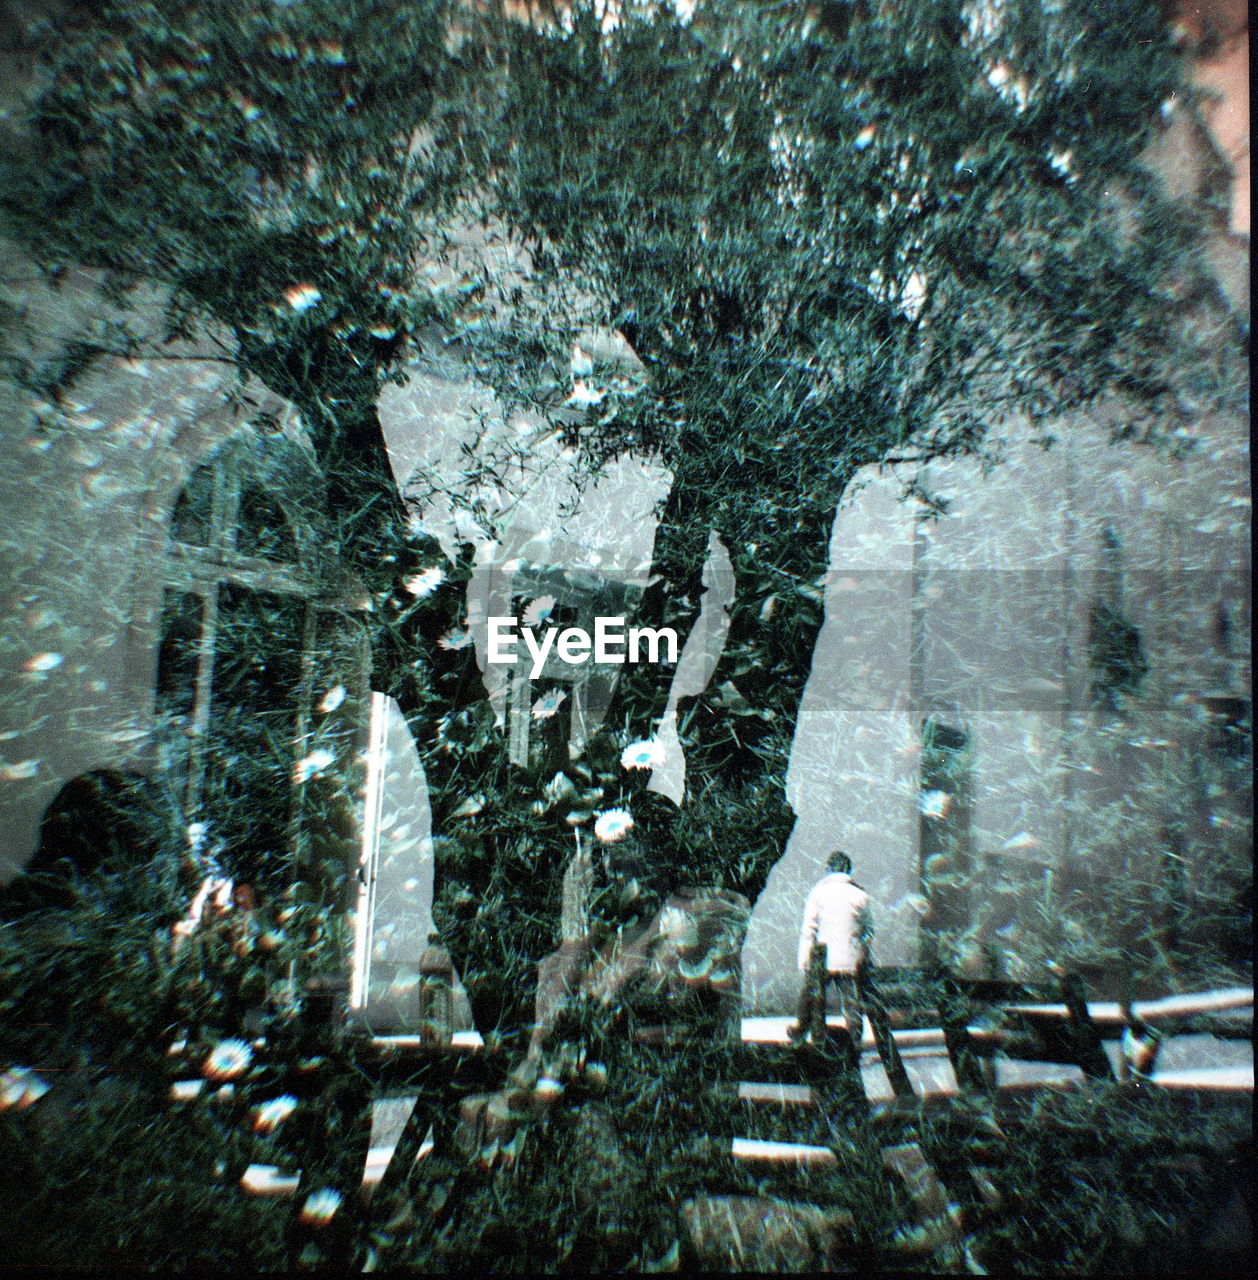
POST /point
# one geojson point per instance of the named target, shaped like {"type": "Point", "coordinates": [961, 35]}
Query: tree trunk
{"type": "Point", "coordinates": [740, 729]}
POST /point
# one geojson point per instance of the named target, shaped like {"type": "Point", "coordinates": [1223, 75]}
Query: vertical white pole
{"type": "Point", "coordinates": [373, 799]}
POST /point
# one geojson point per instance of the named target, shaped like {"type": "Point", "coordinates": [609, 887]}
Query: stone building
{"type": "Point", "coordinates": [1028, 720]}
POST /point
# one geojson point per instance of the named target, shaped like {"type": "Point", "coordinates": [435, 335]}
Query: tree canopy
{"type": "Point", "coordinates": [840, 232]}
{"type": "Point", "coordinates": [277, 167]}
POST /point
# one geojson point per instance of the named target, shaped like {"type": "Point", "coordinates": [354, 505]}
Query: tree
{"type": "Point", "coordinates": [835, 234]}
{"type": "Point", "coordinates": [838, 234]}
{"type": "Point", "coordinates": [277, 168]}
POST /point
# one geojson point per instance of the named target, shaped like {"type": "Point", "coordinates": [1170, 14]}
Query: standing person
{"type": "Point", "coordinates": [839, 925]}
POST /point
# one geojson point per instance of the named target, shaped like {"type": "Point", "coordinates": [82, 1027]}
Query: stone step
{"type": "Point", "coordinates": [768, 1031]}
{"type": "Point", "coordinates": [460, 1040]}
{"type": "Point", "coordinates": [772, 1029]}
{"type": "Point", "coordinates": [934, 1233]}
{"type": "Point", "coordinates": [1185, 1062]}
{"type": "Point", "coordinates": [1221, 1078]}
{"type": "Point", "coordinates": [1107, 1014]}
{"type": "Point", "coordinates": [793, 1095]}
{"type": "Point", "coordinates": [925, 1061]}
{"type": "Point", "coordinates": [267, 1181]}
{"type": "Point", "coordinates": [759, 1151]}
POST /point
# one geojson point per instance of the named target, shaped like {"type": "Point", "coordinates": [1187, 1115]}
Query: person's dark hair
{"type": "Point", "coordinates": [106, 823]}
{"type": "Point", "coordinates": [107, 816]}
{"type": "Point", "coordinates": [840, 862]}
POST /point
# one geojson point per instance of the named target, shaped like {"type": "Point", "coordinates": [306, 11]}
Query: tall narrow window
{"type": "Point", "coordinates": [252, 726]}
{"type": "Point", "coordinates": [945, 804]}
{"type": "Point", "coordinates": [1116, 652]}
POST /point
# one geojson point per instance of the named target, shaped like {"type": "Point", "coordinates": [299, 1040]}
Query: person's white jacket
{"type": "Point", "coordinates": [836, 915]}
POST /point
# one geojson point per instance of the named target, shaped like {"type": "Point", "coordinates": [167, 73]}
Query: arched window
{"type": "Point", "coordinates": [1116, 651]}
{"type": "Point", "coordinates": [252, 641]}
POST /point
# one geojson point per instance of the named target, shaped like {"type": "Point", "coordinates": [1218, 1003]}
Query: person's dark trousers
{"type": "Point", "coordinates": [810, 1014]}
{"type": "Point", "coordinates": [860, 997]}
{"type": "Point", "coordinates": [880, 1023]}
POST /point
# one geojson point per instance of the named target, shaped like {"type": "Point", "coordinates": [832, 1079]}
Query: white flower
{"type": "Point", "coordinates": [581, 364]}
{"type": "Point", "coordinates": [912, 295]}
{"type": "Point", "coordinates": [216, 889]}
{"type": "Point", "coordinates": [333, 698]}
{"type": "Point", "coordinates": [1023, 840]}
{"type": "Point", "coordinates": [539, 611]}
{"type": "Point", "coordinates": [424, 583]}
{"type": "Point", "coordinates": [312, 765]}
{"type": "Point", "coordinates": [43, 662]}
{"type": "Point", "coordinates": [455, 638]}
{"type": "Point", "coordinates": [935, 804]}
{"type": "Point", "coordinates": [612, 825]}
{"type": "Point", "coordinates": [548, 704]}
{"type": "Point", "coordinates": [228, 1060]}
{"type": "Point", "coordinates": [1062, 163]}
{"type": "Point", "coordinates": [472, 805]}
{"type": "Point", "coordinates": [585, 396]}
{"type": "Point", "coordinates": [19, 1087]}
{"type": "Point", "coordinates": [320, 1207]}
{"type": "Point", "coordinates": [998, 75]}
{"type": "Point", "coordinates": [865, 137]}
{"type": "Point", "coordinates": [673, 920]}
{"type": "Point", "coordinates": [1015, 90]}
{"type": "Point", "coordinates": [642, 755]}
{"type": "Point", "coordinates": [270, 1115]}
{"type": "Point", "coordinates": [559, 788]}
{"type": "Point", "coordinates": [548, 1089]}
{"type": "Point", "coordinates": [301, 297]}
